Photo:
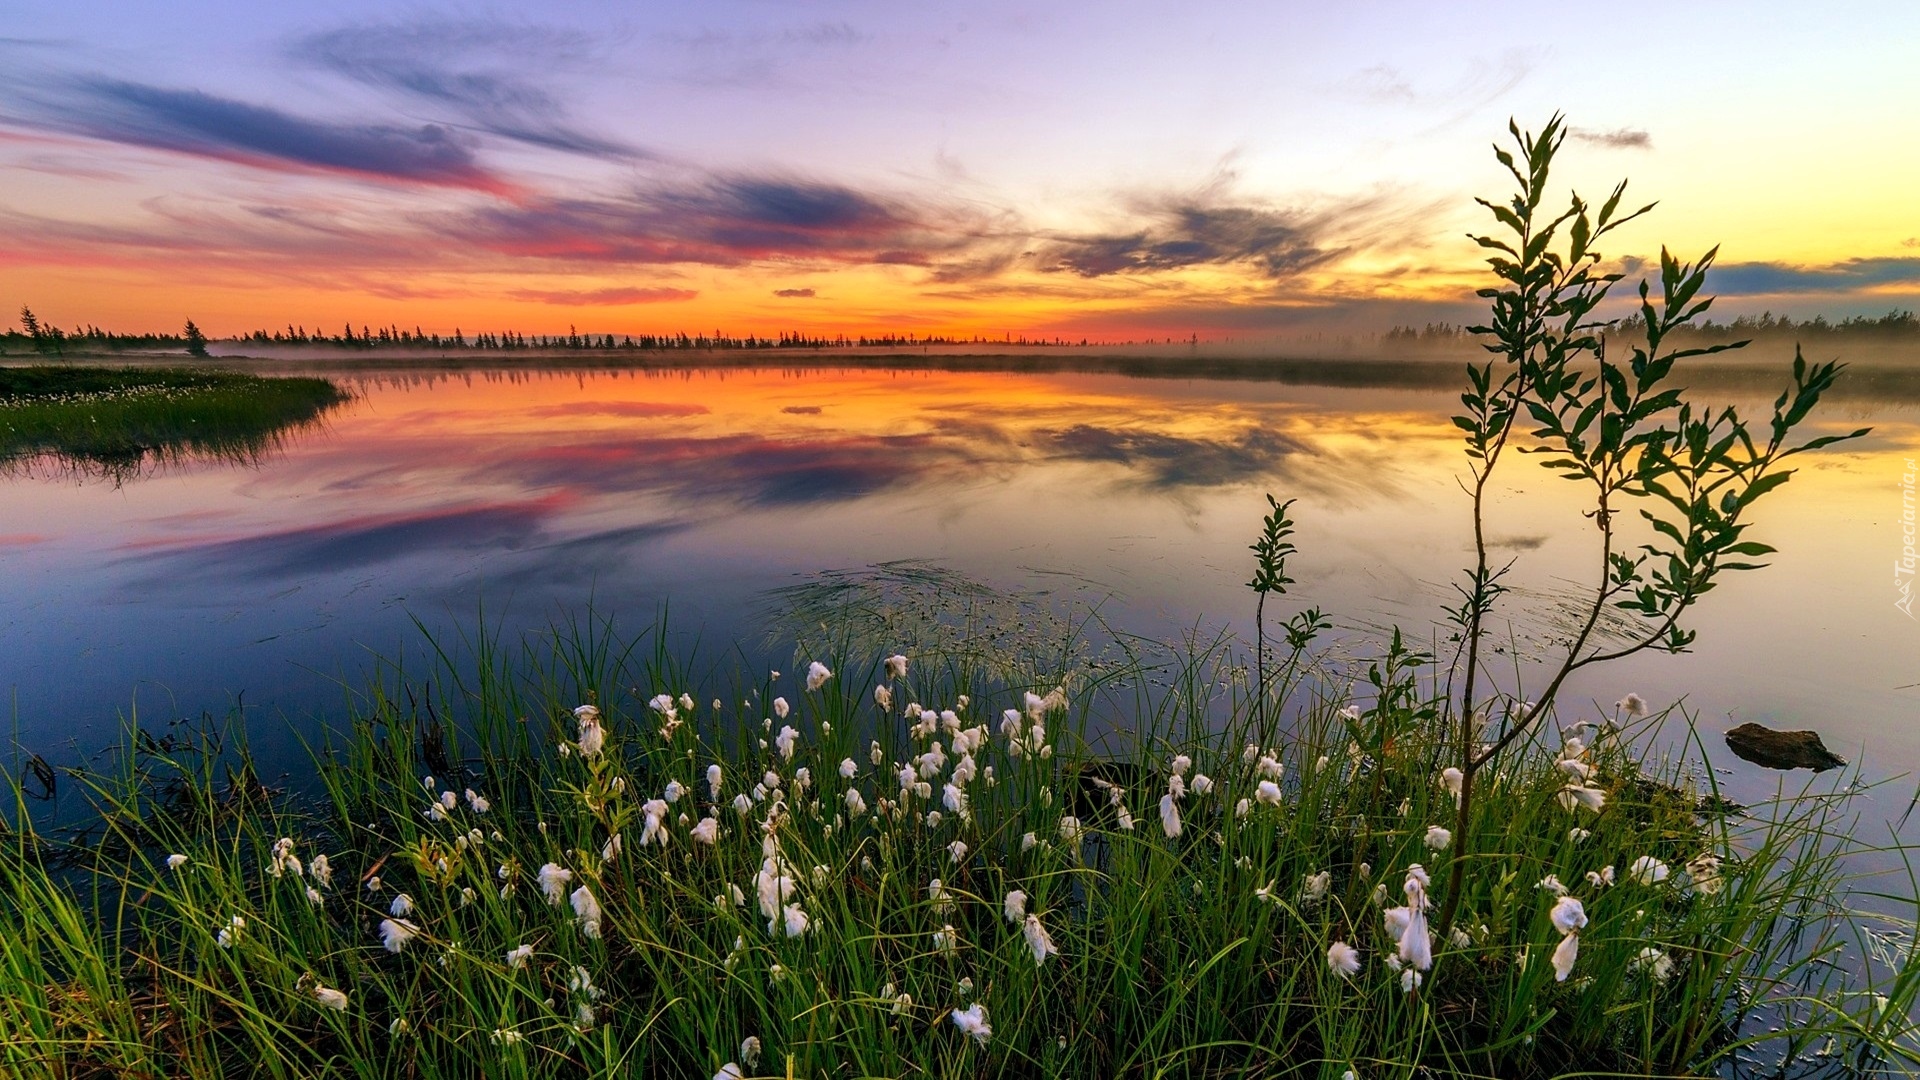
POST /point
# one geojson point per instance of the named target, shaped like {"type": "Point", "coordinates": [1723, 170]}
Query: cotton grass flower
{"type": "Point", "coordinates": [1575, 768]}
{"type": "Point", "coordinates": [330, 998]}
{"type": "Point", "coordinates": [1704, 872]}
{"type": "Point", "coordinates": [1069, 829]}
{"type": "Point", "coordinates": [795, 920]}
{"type": "Point", "coordinates": [817, 675]}
{"type": "Point", "coordinates": [1169, 816]}
{"type": "Point", "coordinates": [1564, 955]}
{"type": "Point", "coordinates": [653, 829]}
{"type": "Point", "coordinates": [518, 956]}
{"type": "Point", "coordinates": [706, 832]}
{"type": "Point", "coordinates": [1343, 959]}
{"type": "Point", "coordinates": [592, 738]}
{"type": "Point", "coordinates": [1453, 780]}
{"type": "Point", "coordinates": [284, 861]}
{"type": "Point", "coordinates": [1653, 962]}
{"type": "Point", "coordinates": [586, 909]}
{"type": "Point", "coordinates": [1569, 917]}
{"type": "Point", "coordinates": [946, 940]}
{"type": "Point", "coordinates": [1416, 944]}
{"type": "Point", "coordinates": [1439, 839]}
{"type": "Point", "coordinates": [785, 741]}
{"type": "Point", "coordinates": [1575, 795]}
{"type": "Point", "coordinates": [175, 862]}
{"type": "Point", "coordinates": [402, 905]}
{"type": "Point", "coordinates": [230, 933]}
{"type": "Point", "coordinates": [1268, 793]}
{"type": "Point", "coordinates": [1314, 888]}
{"type": "Point", "coordinates": [1633, 705]}
{"type": "Point", "coordinates": [395, 933]}
{"type": "Point", "coordinates": [1038, 941]}
{"type": "Point", "coordinates": [972, 1021]}
{"type": "Point", "coordinates": [1015, 906]}
{"type": "Point", "coordinates": [1648, 870]}
{"type": "Point", "coordinates": [553, 882]}
{"type": "Point", "coordinates": [750, 1050]}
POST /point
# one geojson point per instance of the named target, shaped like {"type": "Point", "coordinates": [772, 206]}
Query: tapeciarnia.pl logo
{"type": "Point", "coordinates": [1903, 567]}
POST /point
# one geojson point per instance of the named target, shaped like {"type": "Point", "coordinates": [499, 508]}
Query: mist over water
{"type": "Point", "coordinates": [529, 493]}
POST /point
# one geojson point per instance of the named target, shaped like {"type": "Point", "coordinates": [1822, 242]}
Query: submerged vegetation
{"type": "Point", "coordinates": [955, 842]}
{"type": "Point", "coordinates": [118, 423]}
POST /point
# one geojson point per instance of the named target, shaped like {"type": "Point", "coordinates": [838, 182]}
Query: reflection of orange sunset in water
{"type": "Point", "coordinates": [530, 492]}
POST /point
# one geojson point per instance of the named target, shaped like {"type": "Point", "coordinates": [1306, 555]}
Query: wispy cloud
{"type": "Point", "coordinates": [723, 220]}
{"type": "Point", "coordinates": [473, 71]}
{"type": "Point", "coordinates": [1617, 139]}
{"type": "Point", "coordinates": [1191, 233]}
{"type": "Point", "coordinates": [205, 125]}
{"type": "Point", "coordinates": [794, 294]}
{"type": "Point", "coordinates": [1738, 279]}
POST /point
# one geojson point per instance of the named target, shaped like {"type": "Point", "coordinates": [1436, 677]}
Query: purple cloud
{"type": "Point", "coordinates": [203, 125]}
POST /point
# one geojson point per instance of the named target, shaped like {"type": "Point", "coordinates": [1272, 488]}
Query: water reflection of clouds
{"type": "Point", "coordinates": [561, 494]}
{"type": "Point", "coordinates": [743, 469]}
{"type": "Point", "coordinates": [363, 540]}
{"type": "Point", "coordinates": [567, 410]}
{"type": "Point", "coordinates": [1162, 460]}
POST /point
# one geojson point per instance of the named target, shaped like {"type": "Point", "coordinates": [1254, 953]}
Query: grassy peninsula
{"type": "Point", "coordinates": [119, 421]}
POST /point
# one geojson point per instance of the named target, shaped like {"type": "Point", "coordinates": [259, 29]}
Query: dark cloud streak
{"type": "Point", "coordinates": [204, 125]}
{"type": "Point", "coordinates": [1771, 277]}
{"type": "Point", "coordinates": [1617, 139]}
{"type": "Point", "coordinates": [724, 220]}
{"type": "Point", "coordinates": [1192, 232]}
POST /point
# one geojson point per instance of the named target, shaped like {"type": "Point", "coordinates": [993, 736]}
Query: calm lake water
{"type": "Point", "coordinates": [534, 492]}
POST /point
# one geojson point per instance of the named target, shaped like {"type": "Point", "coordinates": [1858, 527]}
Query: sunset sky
{"type": "Point", "coordinates": [1097, 169]}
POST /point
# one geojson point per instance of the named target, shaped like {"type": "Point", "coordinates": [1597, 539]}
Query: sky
{"type": "Point", "coordinates": [1107, 170]}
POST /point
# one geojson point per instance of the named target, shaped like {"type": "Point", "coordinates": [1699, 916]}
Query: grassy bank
{"type": "Point", "coordinates": [119, 422]}
{"type": "Point", "coordinates": [878, 872]}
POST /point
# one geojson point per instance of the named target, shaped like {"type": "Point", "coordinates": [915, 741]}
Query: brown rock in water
{"type": "Point", "coordinates": [1782, 749]}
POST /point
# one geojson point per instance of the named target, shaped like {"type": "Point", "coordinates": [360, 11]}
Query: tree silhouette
{"type": "Point", "coordinates": [196, 341]}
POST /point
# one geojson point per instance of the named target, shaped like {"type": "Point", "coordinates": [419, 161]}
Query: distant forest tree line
{"type": "Point", "coordinates": [1894, 325]}
{"type": "Point", "coordinates": [48, 340]}
{"type": "Point", "coordinates": [45, 339]}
